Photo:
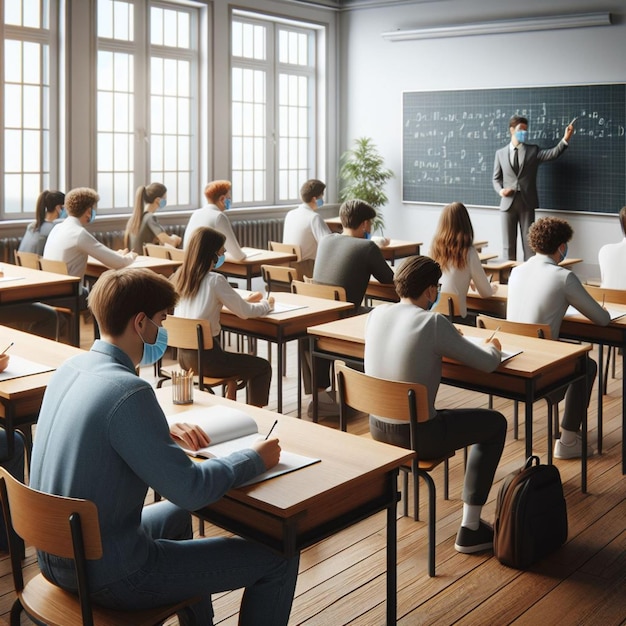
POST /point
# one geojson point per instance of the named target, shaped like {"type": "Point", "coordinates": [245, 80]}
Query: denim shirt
{"type": "Point", "coordinates": [102, 436]}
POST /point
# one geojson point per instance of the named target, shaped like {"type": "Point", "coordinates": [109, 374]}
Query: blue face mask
{"type": "Point", "coordinates": [62, 214]}
{"type": "Point", "coordinates": [563, 254]}
{"type": "Point", "coordinates": [152, 352]}
{"type": "Point", "coordinates": [227, 203]}
{"type": "Point", "coordinates": [432, 305]}
{"type": "Point", "coordinates": [367, 235]}
{"type": "Point", "coordinates": [521, 136]}
{"type": "Point", "coordinates": [162, 203]}
{"type": "Point", "coordinates": [220, 261]}
{"type": "Point", "coordinates": [92, 217]}
{"type": "Point", "coordinates": [320, 203]}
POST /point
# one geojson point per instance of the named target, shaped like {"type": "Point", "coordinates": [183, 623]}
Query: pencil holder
{"type": "Point", "coordinates": [182, 387]}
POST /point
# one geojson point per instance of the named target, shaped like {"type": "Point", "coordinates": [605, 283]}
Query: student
{"type": "Point", "coordinates": [453, 248]}
{"type": "Point", "coordinates": [348, 260]}
{"type": "Point", "coordinates": [540, 291]}
{"type": "Point", "coordinates": [15, 467]}
{"type": "Point", "coordinates": [143, 226]}
{"type": "Point", "coordinates": [202, 295]}
{"type": "Point", "coordinates": [48, 211]}
{"type": "Point", "coordinates": [218, 195]}
{"type": "Point", "coordinates": [305, 227]}
{"type": "Point", "coordinates": [612, 259]}
{"type": "Point", "coordinates": [406, 342]}
{"type": "Point", "coordinates": [102, 436]}
{"type": "Point", "coordinates": [515, 181]}
{"type": "Point", "coordinates": [72, 243]}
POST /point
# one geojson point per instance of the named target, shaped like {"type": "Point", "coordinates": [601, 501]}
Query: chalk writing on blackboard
{"type": "Point", "coordinates": [450, 139]}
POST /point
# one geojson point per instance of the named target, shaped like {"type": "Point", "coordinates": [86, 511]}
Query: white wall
{"type": "Point", "coordinates": [374, 73]}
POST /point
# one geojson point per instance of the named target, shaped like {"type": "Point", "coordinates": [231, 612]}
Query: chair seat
{"type": "Point", "coordinates": [429, 464]}
{"type": "Point", "coordinates": [56, 607]}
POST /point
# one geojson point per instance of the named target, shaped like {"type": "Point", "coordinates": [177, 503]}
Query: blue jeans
{"type": "Point", "coordinates": [182, 567]}
{"type": "Point", "coordinates": [15, 467]}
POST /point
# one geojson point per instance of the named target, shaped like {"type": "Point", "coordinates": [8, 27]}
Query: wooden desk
{"type": "Point", "coordinates": [31, 286]}
{"type": "Point", "coordinates": [486, 256]}
{"type": "Point", "coordinates": [334, 223]}
{"type": "Point", "coordinates": [355, 479]}
{"type": "Point", "coordinates": [280, 328]}
{"type": "Point", "coordinates": [380, 291]}
{"type": "Point", "coordinates": [480, 244]}
{"type": "Point", "coordinates": [541, 368]}
{"type": "Point", "coordinates": [250, 267]}
{"type": "Point", "coordinates": [397, 249]}
{"type": "Point", "coordinates": [501, 269]}
{"type": "Point", "coordinates": [580, 328]}
{"type": "Point", "coordinates": [494, 305]}
{"type": "Point", "coordinates": [20, 398]}
{"type": "Point", "coordinates": [166, 267]}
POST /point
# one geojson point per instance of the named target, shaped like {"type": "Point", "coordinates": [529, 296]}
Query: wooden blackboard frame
{"type": "Point", "coordinates": [450, 138]}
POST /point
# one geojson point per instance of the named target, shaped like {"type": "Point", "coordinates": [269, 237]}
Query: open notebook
{"type": "Point", "coordinates": [614, 313]}
{"type": "Point", "coordinates": [231, 430]}
{"type": "Point", "coordinates": [505, 354]}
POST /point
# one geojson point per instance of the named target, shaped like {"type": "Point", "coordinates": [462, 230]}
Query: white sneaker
{"type": "Point", "coordinates": [572, 450]}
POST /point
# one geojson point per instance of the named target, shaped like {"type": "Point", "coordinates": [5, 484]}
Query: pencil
{"type": "Point", "coordinates": [493, 334]}
{"type": "Point", "coordinates": [1, 353]}
{"type": "Point", "coordinates": [271, 429]}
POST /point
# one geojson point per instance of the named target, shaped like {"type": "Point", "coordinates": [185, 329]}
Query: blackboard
{"type": "Point", "coordinates": [450, 139]}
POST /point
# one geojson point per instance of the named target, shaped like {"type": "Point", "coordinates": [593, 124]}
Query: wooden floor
{"type": "Point", "coordinates": [342, 579]}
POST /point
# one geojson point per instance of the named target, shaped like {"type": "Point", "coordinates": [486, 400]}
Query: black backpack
{"type": "Point", "coordinates": [531, 515]}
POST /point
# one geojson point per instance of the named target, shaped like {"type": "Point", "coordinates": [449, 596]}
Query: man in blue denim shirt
{"type": "Point", "coordinates": [102, 436]}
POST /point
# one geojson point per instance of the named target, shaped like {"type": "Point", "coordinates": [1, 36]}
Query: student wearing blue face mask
{"type": "Point", "coordinates": [540, 291]}
{"type": "Point", "coordinates": [515, 181]}
{"type": "Point", "coordinates": [143, 226]}
{"type": "Point", "coordinates": [203, 293]}
{"type": "Point", "coordinates": [72, 243]}
{"type": "Point", "coordinates": [406, 342]}
{"type": "Point", "coordinates": [48, 212]}
{"type": "Point", "coordinates": [305, 227]}
{"type": "Point", "coordinates": [102, 435]}
{"type": "Point", "coordinates": [218, 195]}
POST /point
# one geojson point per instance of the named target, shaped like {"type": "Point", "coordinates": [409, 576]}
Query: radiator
{"type": "Point", "coordinates": [251, 233]}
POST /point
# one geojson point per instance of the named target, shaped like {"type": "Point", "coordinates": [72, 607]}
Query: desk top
{"type": "Point", "coordinates": [34, 348]}
{"type": "Point", "coordinates": [347, 460]}
{"type": "Point", "coordinates": [166, 267]}
{"type": "Point", "coordinates": [537, 354]}
{"type": "Point", "coordinates": [258, 256]}
{"type": "Point", "coordinates": [22, 283]}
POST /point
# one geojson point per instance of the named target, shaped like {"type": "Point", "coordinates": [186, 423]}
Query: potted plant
{"type": "Point", "coordinates": [364, 176]}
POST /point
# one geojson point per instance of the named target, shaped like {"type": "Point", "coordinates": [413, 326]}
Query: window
{"type": "Point", "coordinates": [147, 102]}
{"type": "Point", "coordinates": [273, 116]}
{"type": "Point", "coordinates": [27, 109]}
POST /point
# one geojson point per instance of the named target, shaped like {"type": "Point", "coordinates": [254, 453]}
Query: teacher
{"type": "Point", "coordinates": [515, 181]}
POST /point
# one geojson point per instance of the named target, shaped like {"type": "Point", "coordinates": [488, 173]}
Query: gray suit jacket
{"type": "Point", "coordinates": [525, 182]}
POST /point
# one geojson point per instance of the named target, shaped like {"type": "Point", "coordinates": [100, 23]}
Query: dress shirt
{"type": "Point", "coordinates": [305, 227]}
{"type": "Point", "coordinates": [212, 217]}
{"type": "Point", "coordinates": [612, 259]}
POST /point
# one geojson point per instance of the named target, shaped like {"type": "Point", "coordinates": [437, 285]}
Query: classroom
{"type": "Point", "coordinates": [115, 94]}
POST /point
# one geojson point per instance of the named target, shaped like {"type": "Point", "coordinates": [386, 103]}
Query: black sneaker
{"type": "Point", "coordinates": [469, 541]}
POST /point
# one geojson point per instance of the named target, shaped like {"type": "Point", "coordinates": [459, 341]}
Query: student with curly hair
{"type": "Point", "coordinates": [540, 291]}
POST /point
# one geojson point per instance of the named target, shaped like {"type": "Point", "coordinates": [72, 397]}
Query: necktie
{"type": "Point", "coordinates": [516, 161]}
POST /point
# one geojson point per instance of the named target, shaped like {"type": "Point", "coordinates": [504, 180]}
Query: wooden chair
{"type": "Point", "coordinates": [27, 259]}
{"type": "Point", "coordinates": [68, 528]}
{"type": "Point", "coordinates": [299, 265]}
{"type": "Point", "coordinates": [176, 254]}
{"type": "Point", "coordinates": [156, 250]}
{"type": "Point", "coordinates": [56, 267]}
{"type": "Point", "coordinates": [195, 334]}
{"type": "Point", "coordinates": [448, 305]}
{"type": "Point", "coordinates": [617, 296]}
{"type": "Point", "coordinates": [542, 331]}
{"type": "Point", "coordinates": [316, 290]}
{"type": "Point", "coordinates": [400, 401]}
{"type": "Point", "coordinates": [278, 277]}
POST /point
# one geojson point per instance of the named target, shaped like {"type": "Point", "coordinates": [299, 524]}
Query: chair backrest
{"type": "Point", "coordinates": [316, 290]}
{"type": "Point", "coordinates": [27, 259]}
{"type": "Point", "coordinates": [448, 305]}
{"type": "Point", "coordinates": [616, 296]}
{"type": "Point", "coordinates": [43, 520]}
{"type": "Point", "coordinates": [176, 254]}
{"type": "Point", "coordinates": [188, 333]}
{"type": "Point", "coordinates": [156, 250]}
{"type": "Point", "coordinates": [56, 267]}
{"type": "Point", "coordinates": [278, 277]}
{"type": "Point", "coordinates": [385, 398]}
{"type": "Point", "coordinates": [516, 328]}
{"type": "Point", "coordinates": [288, 248]}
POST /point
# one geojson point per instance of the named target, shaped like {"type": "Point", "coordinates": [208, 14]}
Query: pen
{"type": "Point", "coordinates": [573, 120]}
{"type": "Point", "coordinates": [1, 353]}
{"type": "Point", "coordinates": [493, 334]}
{"type": "Point", "coordinates": [271, 429]}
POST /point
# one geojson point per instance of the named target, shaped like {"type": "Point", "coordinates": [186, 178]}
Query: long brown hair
{"type": "Point", "coordinates": [200, 254]}
{"type": "Point", "coordinates": [46, 203]}
{"type": "Point", "coordinates": [453, 238]}
{"type": "Point", "coordinates": [144, 195]}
